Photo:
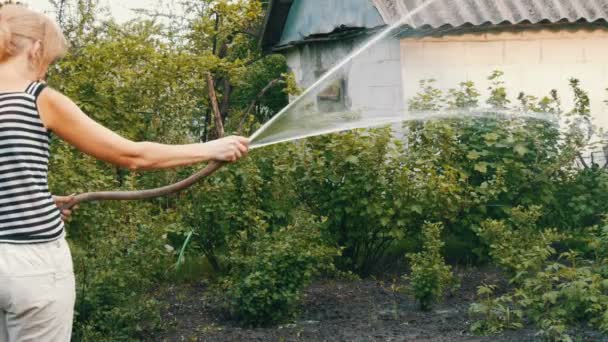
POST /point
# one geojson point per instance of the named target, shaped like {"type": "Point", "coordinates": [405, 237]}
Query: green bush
{"type": "Point", "coordinates": [118, 265]}
{"type": "Point", "coordinates": [349, 178]}
{"type": "Point", "coordinates": [494, 314]}
{"type": "Point", "coordinates": [580, 199]}
{"type": "Point", "coordinates": [477, 168]}
{"type": "Point", "coordinates": [555, 295]}
{"type": "Point", "coordinates": [429, 276]}
{"type": "Point", "coordinates": [256, 191]}
{"type": "Point", "coordinates": [269, 270]}
{"type": "Point", "coordinates": [518, 245]}
{"type": "Point", "coordinates": [564, 295]}
{"type": "Point", "coordinates": [220, 207]}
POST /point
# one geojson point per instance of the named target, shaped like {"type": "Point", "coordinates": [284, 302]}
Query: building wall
{"type": "Point", "coordinates": [533, 61]}
{"type": "Point", "coordinates": [372, 80]}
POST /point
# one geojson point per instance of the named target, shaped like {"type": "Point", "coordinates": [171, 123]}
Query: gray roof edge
{"type": "Point", "coordinates": [356, 32]}
{"type": "Point", "coordinates": [278, 9]}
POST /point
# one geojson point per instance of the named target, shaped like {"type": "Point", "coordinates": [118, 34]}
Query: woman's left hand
{"type": "Point", "coordinates": [60, 201]}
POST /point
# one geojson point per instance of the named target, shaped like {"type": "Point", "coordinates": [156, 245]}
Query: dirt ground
{"type": "Point", "coordinates": [362, 310]}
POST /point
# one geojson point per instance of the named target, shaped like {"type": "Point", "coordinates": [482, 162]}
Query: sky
{"type": "Point", "coordinates": [120, 9]}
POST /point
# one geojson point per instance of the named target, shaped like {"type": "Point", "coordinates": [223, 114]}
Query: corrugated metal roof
{"type": "Point", "coordinates": [455, 13]}
{"type": "Point", "coordinates": [292, 21]}
{"type": "Point", "coordinates": [312, 17]}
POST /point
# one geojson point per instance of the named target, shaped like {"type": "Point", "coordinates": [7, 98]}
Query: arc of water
{"type": "Point", "coordinates": [336, 68]}
{"type": "Point", "coordinates": [214, 166]}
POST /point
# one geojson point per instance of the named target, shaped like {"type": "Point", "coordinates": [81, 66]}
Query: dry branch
{"type": "Point", "coordinates": [217, 114]}
{"type": "Point", "coordinates": [255, 101]}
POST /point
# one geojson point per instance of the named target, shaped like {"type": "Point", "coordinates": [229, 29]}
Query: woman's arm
{"type": "Point", "coordinates": [62, 116]}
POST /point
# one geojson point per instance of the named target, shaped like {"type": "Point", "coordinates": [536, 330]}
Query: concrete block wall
{"type": "Point", "coordinates": [373, 79]}
{"type": "Point", "coordinates": [533, 61]}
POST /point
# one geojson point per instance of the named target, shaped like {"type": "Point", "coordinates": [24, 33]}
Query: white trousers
{"type": "Point", "coordinates": [37, 292]}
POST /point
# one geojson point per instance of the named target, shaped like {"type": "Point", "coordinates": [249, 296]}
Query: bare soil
{"type": "Point", "coordinates": [360, 310]}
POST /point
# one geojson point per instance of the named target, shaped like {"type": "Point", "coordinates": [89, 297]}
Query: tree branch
{"type": "Point", "coordinates": [227, 92]}
{"type": "Point", "coordinates": [582, 160]}
{"type": "Point", "coordinates": [219, 124]}
{"type": "Point", "coordinates": [255, 101]}
{"type": "Point", "coordinates": [217, 25]}
{"type": "Point", "coordinates": [605, 150]}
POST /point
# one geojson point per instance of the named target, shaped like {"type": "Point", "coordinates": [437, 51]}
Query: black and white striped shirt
{"type": "Point", "coordinates": [28, 213]}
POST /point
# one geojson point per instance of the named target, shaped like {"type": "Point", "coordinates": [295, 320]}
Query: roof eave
{"type": "Point", "coordinates": [277, 10]}
{"type": "Point", "coordinates": [330, 37]}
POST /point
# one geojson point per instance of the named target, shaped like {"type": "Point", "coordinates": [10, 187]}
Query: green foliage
{"type": "Point", "coordinates": [492, 169]}
{"type": "Point", "coordinates": [466, 96]}
{"type": "Point", "coordinates": [479, 167]}
{"type": "Point", "coordinates": [579, 201]}
{"type": "Point", "coordinates": [517, 244]}
{"type": "Point", "coordinates": [497, 314]}
{"type": "Point", "coordinates": [115, 274]}
{"type": "Point", "coordinates": [498, 92]}
{"type": "Point", "coordinates": [269, 271]}
{"type": "Point", "coordinates": [555, 295]}
{"type": "Point", "coordinates": [565, 294]}
{"type": "Point", "coordinates": [429, 276]}
{"type": "Point", "coordinates": [428, 99]}
{"type": "Point", "coordinates": [348, 178]}
{"type": "Point", "coordinates": [225, 204]}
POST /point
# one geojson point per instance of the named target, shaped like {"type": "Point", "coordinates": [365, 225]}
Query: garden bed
{"type": "Point", "coordinates": [361, 310]}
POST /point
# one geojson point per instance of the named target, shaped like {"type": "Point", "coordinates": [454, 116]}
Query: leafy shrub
{"type": "Point", "coordinates": [349, 179]}
{"type": "Point", "coordinates": [565, 294]}
{"type": "Point", "coordinates": [555, 295]}
{"type": "Point", "coordinates": [555, 299]}
{"type": "Point", "coordinates": [429, 276]}
{"type": "Point", "coordinates": [517, 244]}
{"type": "Point", "coordinates": [269, 270]}
{"type": "Point", "coordinates": [221, 206]}
{"type": "Point", "coordinates": [480, 167]}
{"type": "Point", "coordinates": [117, 267]}
{"type": "Point", "coordinates": [580, 199]}
{"type": "Point", "coordinates": [496, 314]}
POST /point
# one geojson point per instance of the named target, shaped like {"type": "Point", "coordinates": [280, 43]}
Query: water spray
{"type": "Point", "coordinates": [362, 106]}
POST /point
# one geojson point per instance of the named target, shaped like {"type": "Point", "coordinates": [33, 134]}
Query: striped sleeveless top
{"type": "Point", "coordinates": [28, 213]}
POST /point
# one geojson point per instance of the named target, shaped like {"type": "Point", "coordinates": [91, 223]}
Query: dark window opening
{"type": "Point", "coordinates": [333, 97]}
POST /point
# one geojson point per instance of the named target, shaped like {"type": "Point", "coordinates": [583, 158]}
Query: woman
{"type": "Point", "coordinates": [37, 290]}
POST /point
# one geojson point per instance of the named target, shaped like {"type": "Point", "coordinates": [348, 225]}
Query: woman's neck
{"type": "Point", "coordinates": [15, 75]}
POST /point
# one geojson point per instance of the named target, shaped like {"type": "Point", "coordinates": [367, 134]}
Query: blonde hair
{"type": "Point", "coordinates": [18, 23]}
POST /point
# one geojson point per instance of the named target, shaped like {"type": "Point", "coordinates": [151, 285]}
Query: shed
{"type": "Point", "coordinates": [538, 44]}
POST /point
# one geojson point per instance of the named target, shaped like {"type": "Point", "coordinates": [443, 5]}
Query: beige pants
{"type": "Point", "coordinates": [37, 292]}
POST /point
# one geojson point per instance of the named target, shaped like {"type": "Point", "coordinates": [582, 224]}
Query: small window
{"type": "Point", "coordinates": [333, 97]}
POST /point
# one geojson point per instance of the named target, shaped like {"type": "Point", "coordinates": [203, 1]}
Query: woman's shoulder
{"type": "Point", "coordinates": [36, 88]}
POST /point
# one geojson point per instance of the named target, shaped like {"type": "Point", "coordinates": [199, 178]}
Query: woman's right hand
{"type": "Point", "coordinates": [229, 149]}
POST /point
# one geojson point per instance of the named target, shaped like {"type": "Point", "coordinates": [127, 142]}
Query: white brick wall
{"type": "Point", "coordinates": [533, 61]}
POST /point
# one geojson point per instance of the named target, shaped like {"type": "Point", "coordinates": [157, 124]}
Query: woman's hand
{"type": "Point", "coordinates": [60, 201]}
{"type": "Point", "coordinates": [229, 149]}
